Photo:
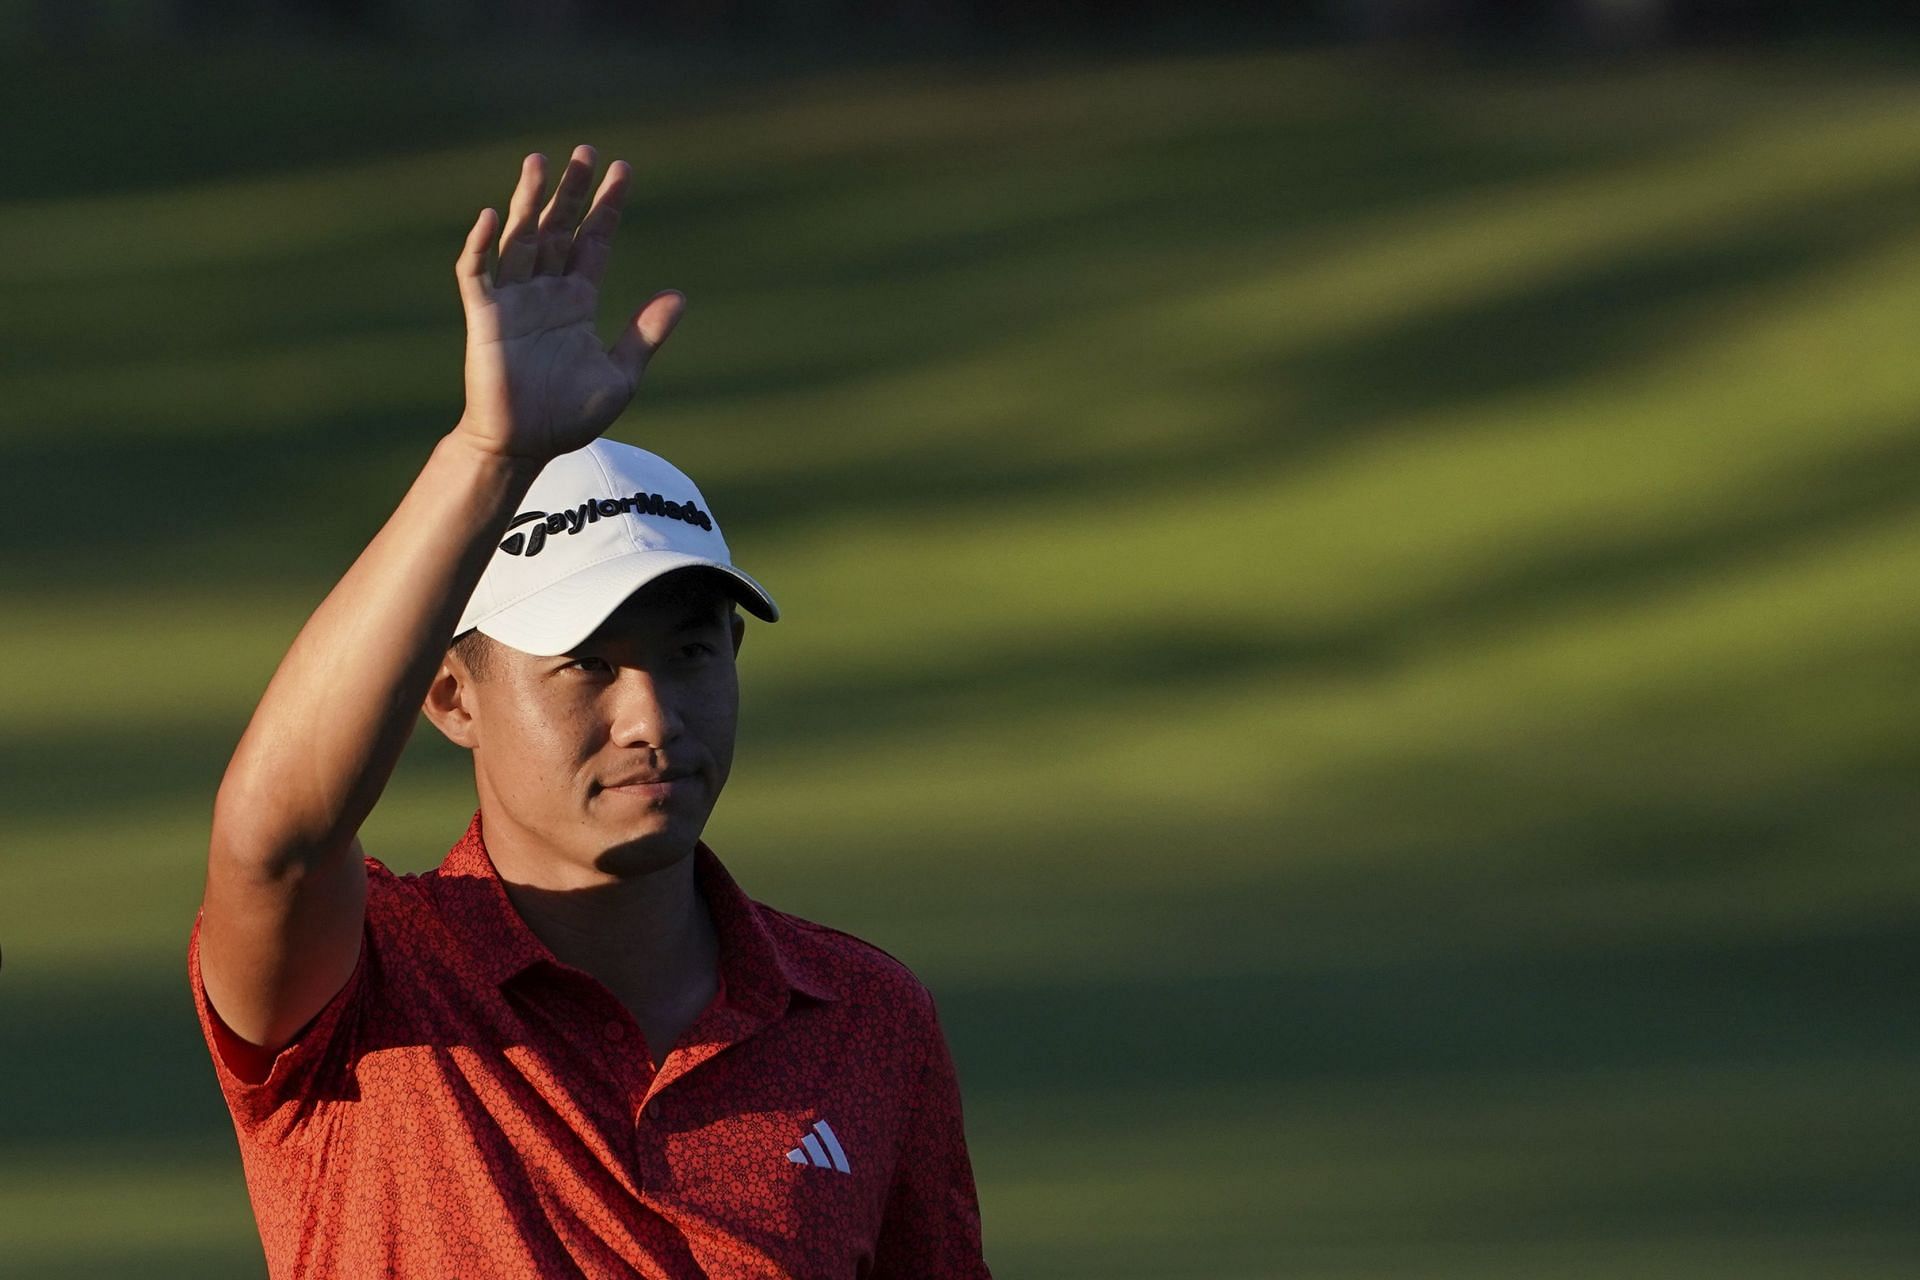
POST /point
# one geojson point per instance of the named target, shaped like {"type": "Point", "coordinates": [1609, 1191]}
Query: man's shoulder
{"type": "Point", "coordinates": [408, 906]}
{"type": "Point", "coordinates": [852, 966]}
{"type": "Point", "coordinates": [396, 886]}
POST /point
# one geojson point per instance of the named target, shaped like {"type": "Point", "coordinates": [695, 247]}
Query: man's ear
{"type": "Point", "coordinates": [449, 702]}
{"type": "Point", "coordinates": [739, 632]}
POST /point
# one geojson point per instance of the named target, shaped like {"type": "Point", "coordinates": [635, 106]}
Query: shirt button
{"type": "Point", "coordinates": [653, 1110]}
{"type": "Point", "coordinates": [615, 1031]}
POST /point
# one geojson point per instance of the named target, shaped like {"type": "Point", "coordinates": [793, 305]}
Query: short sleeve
{"type": "Point", "coordinates": [931, 1230]}
{"type": "Point", "coordinates": [260, 1087]}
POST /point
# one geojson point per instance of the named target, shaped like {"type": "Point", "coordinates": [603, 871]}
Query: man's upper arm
{"type": "Point", "coordinates": [932, 1226]}
{"type": "Point", "coordinates": [275, 946]}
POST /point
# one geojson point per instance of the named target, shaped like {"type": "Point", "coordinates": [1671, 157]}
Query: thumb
{"type": "Point", "coordinates": [646, 332]}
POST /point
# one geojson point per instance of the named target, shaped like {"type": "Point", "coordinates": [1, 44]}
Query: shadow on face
{"type": "Point", "coordinates": [611, 755]}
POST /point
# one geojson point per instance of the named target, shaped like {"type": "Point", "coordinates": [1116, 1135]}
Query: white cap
{"type": "Point", "coordinates": [598, 524]}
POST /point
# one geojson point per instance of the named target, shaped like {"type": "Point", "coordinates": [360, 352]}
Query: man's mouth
{"type": "Point", "coordinates": [648, 783]}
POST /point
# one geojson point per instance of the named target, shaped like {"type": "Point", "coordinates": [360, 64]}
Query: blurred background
{"type": "Point", "coordinates": [1349, 573]}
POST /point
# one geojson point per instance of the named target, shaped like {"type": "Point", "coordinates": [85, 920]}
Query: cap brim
{"type": "Point", "coordinates": [558, 617]}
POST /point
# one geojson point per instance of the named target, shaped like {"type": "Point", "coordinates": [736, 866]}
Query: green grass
{"type": "Point", "coordinates": [1350, 617]}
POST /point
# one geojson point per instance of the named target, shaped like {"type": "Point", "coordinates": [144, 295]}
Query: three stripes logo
{"type": "Point", "coordinates": [820, 1149]}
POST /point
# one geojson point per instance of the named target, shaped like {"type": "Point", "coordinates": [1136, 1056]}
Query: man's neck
{"type": "Point", "coordinates": [648, 937]}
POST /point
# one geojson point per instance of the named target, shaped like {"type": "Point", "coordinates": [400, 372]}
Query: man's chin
{"type": "Point", "coordinates": [656, 845]}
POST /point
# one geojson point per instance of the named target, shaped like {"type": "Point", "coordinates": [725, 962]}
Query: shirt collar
{"type": "Point", "coordinates": [758, 972]}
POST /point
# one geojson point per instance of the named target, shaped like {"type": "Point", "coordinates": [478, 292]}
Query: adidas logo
{"type": "Point", "coordinates": [820, 1149]}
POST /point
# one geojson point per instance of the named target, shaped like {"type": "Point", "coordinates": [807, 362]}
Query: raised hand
{"type": "Point", "coordinates": [538, 381]}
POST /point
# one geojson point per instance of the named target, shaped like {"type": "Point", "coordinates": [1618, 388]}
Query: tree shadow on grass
{"type": "Point", "coordinates": [303, 490]}
{"type": "Point", "coordinates": [46, 775]}
{"type": "Point", "coordinates": [1601, 1010]}
{"type": "Point", "coordinates": [1451, 1011]}
{"type": "Point", "coordinates": [304, 498]}
{"type": "Point", "coordinates": [231, 1260]}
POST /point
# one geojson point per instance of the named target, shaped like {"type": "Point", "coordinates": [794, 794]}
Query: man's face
{"type": "Point", "coordinates": [611, 757]}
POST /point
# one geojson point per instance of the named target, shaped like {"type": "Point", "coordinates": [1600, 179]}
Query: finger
{"type": "Point", "coordinates": [470, 268]}
{"type": "Point", "coordinates": [593, 247]}
{"type": "Point", "coordinates": [563, 212]}
{"type": "Point", "coordinates": [646, 333]}
{"type": "Point", "coordinates": [521, 240]}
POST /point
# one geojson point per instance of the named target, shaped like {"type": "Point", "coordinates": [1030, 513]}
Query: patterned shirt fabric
{"type": "Point", "coordinates": [469, 1106]}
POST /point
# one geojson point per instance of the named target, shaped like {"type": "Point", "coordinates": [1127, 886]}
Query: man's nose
{"type": "Point", "coordinates": [644, 713]}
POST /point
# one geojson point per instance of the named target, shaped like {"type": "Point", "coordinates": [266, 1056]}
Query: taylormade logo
{"type": "Point", "coordinates": [591, 511]}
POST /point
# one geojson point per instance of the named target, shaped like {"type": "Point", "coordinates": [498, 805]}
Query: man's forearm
{"type": "Point", "coordinates": [332, 723]}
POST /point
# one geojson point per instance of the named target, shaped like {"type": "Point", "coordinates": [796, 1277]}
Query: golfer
{"type": "Point", "coordinates": [576, 1048]}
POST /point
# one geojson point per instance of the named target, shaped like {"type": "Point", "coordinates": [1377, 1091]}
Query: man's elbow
{"type": "Point", "coordinates": [263, 830]}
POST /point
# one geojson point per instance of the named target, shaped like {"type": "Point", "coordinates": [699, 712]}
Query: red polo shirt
{"type": "Point", "coordinates": [469, 1106]}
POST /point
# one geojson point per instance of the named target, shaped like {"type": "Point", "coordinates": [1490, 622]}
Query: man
{"type": "Point", "coordinates": [576, 1048]}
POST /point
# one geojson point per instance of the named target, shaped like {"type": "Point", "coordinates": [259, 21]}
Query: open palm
{"type": "Point", "coordinates": [538, 380]}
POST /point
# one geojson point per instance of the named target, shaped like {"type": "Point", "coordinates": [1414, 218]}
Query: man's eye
{"type": "Point", "coordinates": [695, 652]}
{"type": "Point", "coordinates": [589, 664]}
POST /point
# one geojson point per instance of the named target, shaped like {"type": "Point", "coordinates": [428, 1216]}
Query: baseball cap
{"type": "Point", "coordinates": [597, 525]}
